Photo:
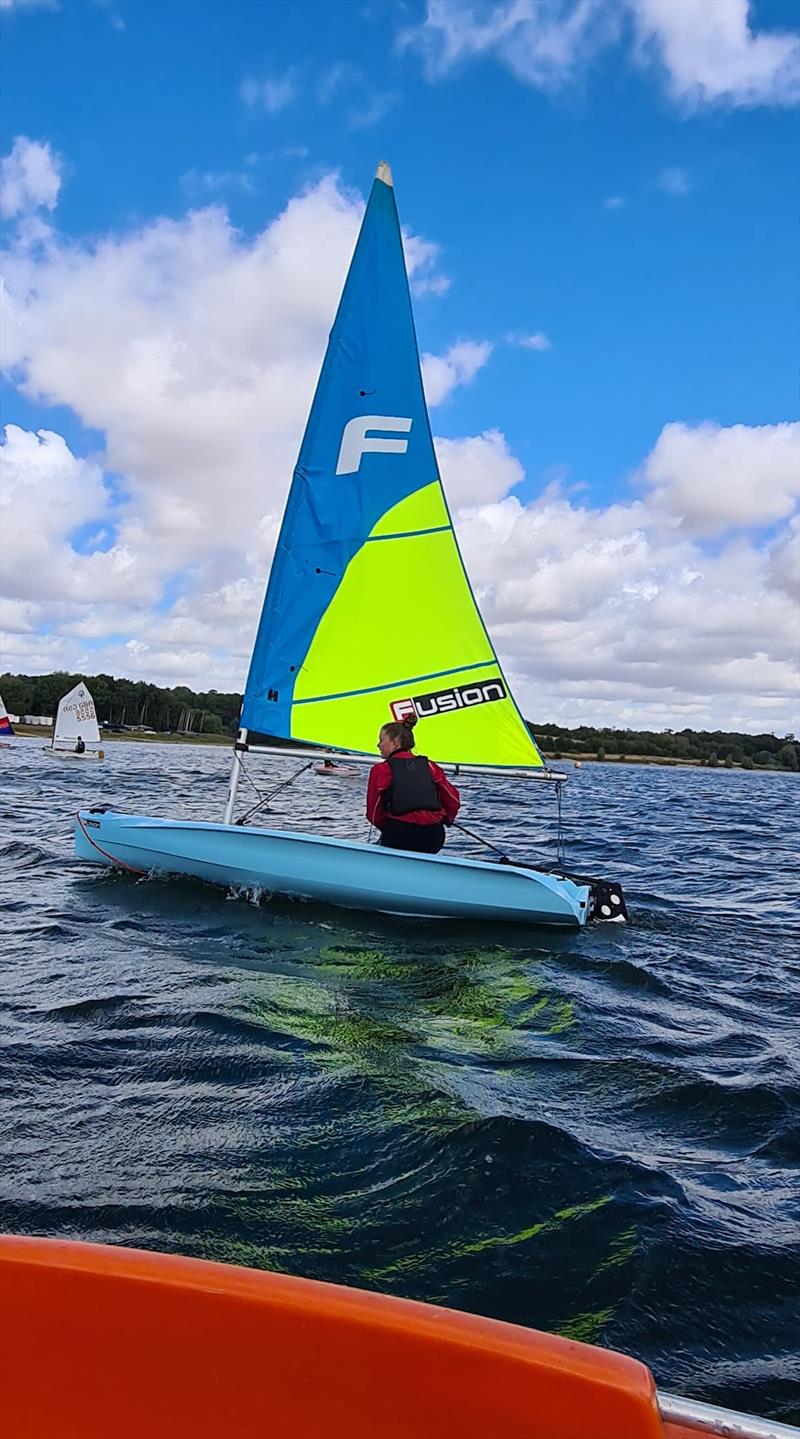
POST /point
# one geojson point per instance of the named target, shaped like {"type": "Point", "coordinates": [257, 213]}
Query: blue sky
{"type": "Point", "coordinates": [625, 192]}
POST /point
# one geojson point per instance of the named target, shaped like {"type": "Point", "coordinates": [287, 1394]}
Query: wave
{"type": "Point", "coordinates": [595, 1133]}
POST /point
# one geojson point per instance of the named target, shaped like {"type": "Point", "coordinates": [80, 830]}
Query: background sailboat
{"type": "Point", "coordinates": [76, 718]}
{"type": "Point", "coordinates": [6, 727]}
{"type": "Point", "coordinates": [368, 616]}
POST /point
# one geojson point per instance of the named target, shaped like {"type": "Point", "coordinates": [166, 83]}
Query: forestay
{"type": "Point", "coordinates": [369, 614]}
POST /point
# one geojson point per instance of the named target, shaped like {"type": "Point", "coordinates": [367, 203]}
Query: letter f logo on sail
{"type": "Point", "coordinates": [356, 442]}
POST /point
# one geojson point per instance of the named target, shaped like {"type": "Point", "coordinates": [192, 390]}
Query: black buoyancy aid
{"type": "Point", "coordinates": [413, 786]}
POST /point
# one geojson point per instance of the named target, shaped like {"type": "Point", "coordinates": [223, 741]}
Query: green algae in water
{"type": "Point", "coordinates": [544, 1226]}
{"type": "Point", "coordinates": [622, 1249]}
{"type": "Point", "coordinates": [482, 1003]}
{"type": "Point", "coordinates": [588, 1326]}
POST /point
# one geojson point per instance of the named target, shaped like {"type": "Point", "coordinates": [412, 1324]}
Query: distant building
{"type": "Point", "coordinates": [41, 720]}
{"type": "Point", "coordinates": [15, 719]}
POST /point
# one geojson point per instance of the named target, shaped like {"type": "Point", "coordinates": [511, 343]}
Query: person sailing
{"type": "Point", "coordinates": [409, 798]}
{"type": "Point", "coordinates": [80, 747]}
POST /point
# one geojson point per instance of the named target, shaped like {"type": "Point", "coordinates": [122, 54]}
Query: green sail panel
{"type": "Point", "coordinates": [403, 630]}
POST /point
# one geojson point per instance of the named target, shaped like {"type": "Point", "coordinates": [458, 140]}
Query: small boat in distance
{"type": "Point", "coordinates": [6, 727]}
{"type": "Point", "coordinates": [367, 520]}
{"type": "Point", "coordinates": [331, 769]}
{"type": "Point", "coordinates": [76, 733]}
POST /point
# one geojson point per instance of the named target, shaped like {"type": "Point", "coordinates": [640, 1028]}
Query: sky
{"type": "Point", "coordinates": [601, 211]}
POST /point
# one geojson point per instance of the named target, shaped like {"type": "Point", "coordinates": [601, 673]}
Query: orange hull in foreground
{"type": "Point", "coordinates": [108, 1343]}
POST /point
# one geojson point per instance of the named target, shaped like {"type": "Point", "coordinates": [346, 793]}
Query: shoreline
{"type": "Point", "coordinates": [671, 761]}
{"type": "Point", "coordinates": [226, 742]}
{"type": "Point", "coordinates": [27, 731]}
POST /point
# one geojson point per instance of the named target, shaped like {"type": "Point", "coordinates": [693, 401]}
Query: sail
{"type": "Point", "coordinates": [6, 726]}
{"type": "Point", "coordinates": [369, 614]}
{"type": "Point", "coordinates": [76, 717]}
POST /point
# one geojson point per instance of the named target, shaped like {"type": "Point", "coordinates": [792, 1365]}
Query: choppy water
{"type": "Point", "coordinates": [595, 1133]}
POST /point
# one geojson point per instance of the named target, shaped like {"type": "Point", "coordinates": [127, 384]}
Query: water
{"type": "Point", "coordinates": [595, 1133]}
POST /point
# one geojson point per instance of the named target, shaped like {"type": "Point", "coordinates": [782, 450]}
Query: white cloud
{"type": "Point", "coordinates": [478, 470]}
{"type": "Point", "coordinates": [422, 258]}
{"type": "Point", "coordinates": [615, 202]}
{"type": "Point", "coordinates": [459, 366]}
{"type": "Point", "coordinates": [271, 93]}
{"type": "Point", "coordinates": [19, 617]}
{"type": "Point", "coordinates": [115, 20]}
{"type": "Point", "coordinates": [706, 49]}
{"type": "Point", "coordinates": [47, 494]}
{"type": "Point", "coordinates": [199, 184]}
{"type": "Point", "coordinates": [601, 614]}
{"type": "Point", "coordinates": [346, 82]}
{"type": "Point", "coordinates": [708, 479]}
{"type": "Point", "coordinates": [30, 178]}
{"type": "Point", "coordinates": [194, 392]}
{"type": "Point", "coordinates": [542, 45]}
{"type": "Point", "coordinates": [29, 5]}
{"type": "Point", "coordinates": [195, 395]}
{"type": "Point", "coordinates": [710, 54]}
{"type": "Point", "coordinates": [612, 614]}
{"type": "Point", "coordinates": [431, 284]}
{"type": "Point", "coordinates": [536, 341]}
{"type": "Point", "coordinates": [337, 76]}
{"type": "Point", "coordinates": [620, 612]}
{"type": "Point", "coordinates": [784, 562]}
{"type": "Point", "coordinates": [373, 110]}
{"type": "Point", "coordinates": [673, 180]}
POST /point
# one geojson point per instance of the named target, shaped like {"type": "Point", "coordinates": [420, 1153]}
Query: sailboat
{"type": "Point", "coordinates": [76, 721]}
{"type": "Point", "coordinates": [367, 537]}
{"type": "Point", "coordinates": [6, 727]}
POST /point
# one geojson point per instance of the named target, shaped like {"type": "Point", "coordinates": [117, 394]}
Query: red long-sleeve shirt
{"type": "Point", "coordinates": [380, 779]}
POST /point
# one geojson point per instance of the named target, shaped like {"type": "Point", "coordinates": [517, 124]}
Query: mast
{"type": "Point", "coordinates": [236, 770]}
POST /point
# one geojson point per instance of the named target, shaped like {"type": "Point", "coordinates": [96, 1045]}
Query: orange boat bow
{"type": "Point", "coordinates": [110, 1343]}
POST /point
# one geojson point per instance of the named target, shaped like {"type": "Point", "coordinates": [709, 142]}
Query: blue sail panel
{"type": "Point", "coordinates": [369, 404]}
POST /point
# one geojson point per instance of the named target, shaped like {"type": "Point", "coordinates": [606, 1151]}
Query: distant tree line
{"type": "Point", "coordinates": [127, 702]}
{"type": "Point", "coordinates": [135, 702]}
{"type": "Point", "coordinates": [706, 747]}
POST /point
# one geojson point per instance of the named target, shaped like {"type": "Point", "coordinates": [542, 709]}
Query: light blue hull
{"type": "Point", "coordinates": [334, 871]}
